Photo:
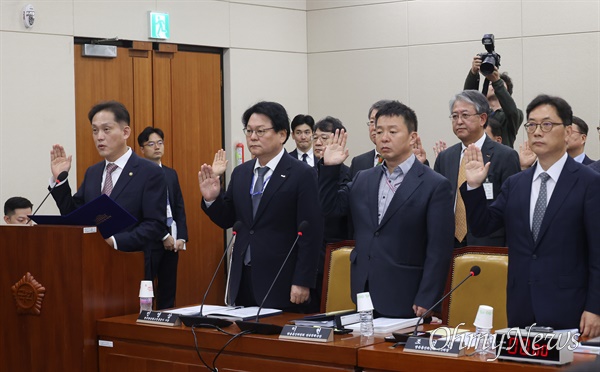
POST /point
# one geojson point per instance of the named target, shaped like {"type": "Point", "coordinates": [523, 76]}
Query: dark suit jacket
{"type": "Point", "coordinates": [551, 281]}
{"type": "Point", "coordinates": [405, 258]}
{"type": "Point", "coordinates": [176, 201]}
{"type": "Point", "coordinates": [587, 161]}
{"type": "Point", "coordinates": [505, 163]}
{"type": "Point", "coordinates": [289, 198]}
{"type": "Point", "coordinates": [595, 166]}
{"type": "Point", "coordinates": [141, 190]}
{"type": "Point", "coordinates": [362, 162]}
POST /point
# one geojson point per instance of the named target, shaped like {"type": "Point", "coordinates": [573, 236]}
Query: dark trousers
{"type": "Point", "coordinates": [164, 269]}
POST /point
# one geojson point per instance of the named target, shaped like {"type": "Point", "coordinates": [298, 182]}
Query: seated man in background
{"type": "Point", "coordinates": [402, 218]}
{"type": "Point", "coordinates": [16, 210]}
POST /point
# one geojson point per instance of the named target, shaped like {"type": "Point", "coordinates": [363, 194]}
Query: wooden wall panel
{"type": "Point", "coordinates": [197, 135]}
{"type": "Point", "coordinates": [98, 79]}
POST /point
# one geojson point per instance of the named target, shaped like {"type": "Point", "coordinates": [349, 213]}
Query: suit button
{"type": "Point", "coordinates": [534, 257]}
{"type": "Point", "coordinates": [376, 233]}
{"type": "Point", "coordinates": [251, 232]}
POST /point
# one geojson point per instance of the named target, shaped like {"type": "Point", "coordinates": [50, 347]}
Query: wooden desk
{"type": "Point", "coordinates": [138, 347]}
{"type": "Point", "coordinates": [381, 357]}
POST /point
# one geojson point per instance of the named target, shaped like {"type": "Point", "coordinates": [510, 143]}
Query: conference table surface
{"type": "Point", "coordinates": [130, 346]}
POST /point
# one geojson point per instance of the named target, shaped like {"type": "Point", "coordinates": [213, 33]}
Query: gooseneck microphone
{"type": "Point", "coordinates": [475, 270]}
{"type": "Point", "coordinates": [199, 319]}
{"type": "Point", "coordinates": [270, 329]}
{"type": "Point", "coordinates": [61, 177]}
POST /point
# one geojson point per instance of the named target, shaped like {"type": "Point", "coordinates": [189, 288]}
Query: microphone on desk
{"type": "Point", "coordinates": [263, 328]}
{"type": "Point", "coordinates": [61, 177]}
{"type": "Point", "coordinates": [200, 320]}
{"type": "Point", "coordinates": [475, 270]}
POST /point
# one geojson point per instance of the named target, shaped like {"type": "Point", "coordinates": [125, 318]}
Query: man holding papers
{"type": "Point", "coordinates": [134, 183]}
{"type": "Point", "coordinates": [403, 217]}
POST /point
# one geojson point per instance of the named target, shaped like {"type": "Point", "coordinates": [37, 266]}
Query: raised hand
{"type": "Point", "coordinates": [439, 146]}
{"type": "Point", "coordinates": [219, 165]}
{"type": "Point", "coordinates": [476, 65]}
{"type": "Point", "coordinates": [59, 161]}
{"type": "Point", "coordinates": [526, 156]}
{"type": "Point", "coordinates": [419, 151]}
{"type": "Point", "coordinates": [475, 170]}
{"type": "Point", "coordinates": [210, 186]}
{"type": "Point", "coordinates": [336, 152]}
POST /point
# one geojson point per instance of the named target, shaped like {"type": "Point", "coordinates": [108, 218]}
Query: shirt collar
{"type": "Point", "coordinates": [122, 161]}
{"type": "Point", "coordinates": [554, 170]}
{"type": "Point", "coordinates": [272, 164]}
{"type": "Point", "coordinates": [579, 158]}
{"type": "Point", "coordinates": [478, 143]}
{"type": "Point", "coordinates": [404, 166]}
{"type": "Point", "coordinates": [309, 153]}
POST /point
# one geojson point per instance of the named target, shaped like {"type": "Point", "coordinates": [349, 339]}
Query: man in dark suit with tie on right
{"type": "Point", "coordinates": [402, 214]}
{"type": "Point", "coordinates": [270, 195]}
{"type": "Point", "coordinates": [134, 183]}
{"type": "Point", "coordinates": [550, 212]}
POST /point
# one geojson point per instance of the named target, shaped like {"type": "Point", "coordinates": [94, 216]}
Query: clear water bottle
{"type": "Point", "coordinates": [145, 304]}
{"type": "Point", "coordinates": [483, 340]}
{"type": "Point", "coordinates": [366, 323]}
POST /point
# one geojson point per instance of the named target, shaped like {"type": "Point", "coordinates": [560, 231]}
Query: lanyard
{"type": "Point", "coordinates": [389, 183]}
{"type": "Point", "coordinates": [252, 193]}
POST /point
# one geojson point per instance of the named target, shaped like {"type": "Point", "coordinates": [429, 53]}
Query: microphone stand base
{"type": "Point", "coordinates": [204, 321]}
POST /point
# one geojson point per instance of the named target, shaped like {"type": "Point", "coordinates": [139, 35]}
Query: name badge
{"type": "Point", "coordinates": [488, 187]}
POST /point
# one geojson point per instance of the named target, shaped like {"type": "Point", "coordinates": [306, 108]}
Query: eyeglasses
{"type": "Point", "coordinates": [575, 131]}
{"type": "Point", "coordinates": [259, 132]}
{"type": "Point", "coordinates": [545, 126]}
{"type": "Point", "coordinates": [462, 117]}
{"type": "Point", "coordinates": [152, 144]}
{"type": "Point", "coordinates": [370, 122]}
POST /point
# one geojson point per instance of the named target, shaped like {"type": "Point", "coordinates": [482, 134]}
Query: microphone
{"type": "Point", "coordinates": [262, 328]}
{"type": "Point", "coordinates": [61, 177]}
{"type": "Point", "coordinates": [475, 270]}
{"type": "Point", "coordinates": [200, 320]}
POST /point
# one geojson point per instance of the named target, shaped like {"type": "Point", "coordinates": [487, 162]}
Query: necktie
{"type": "Point", "coordinates": [460, 214]}
{"type": "Point", "coordinates": [108, 183]}
{"type": "Point", "coordinates": [304, 156]}
{"type": "Point", "coordinates": [540, 206]}
{"type": "Point", "coordinates": [379, 159]}
{"type": "Point", "coordinates": [256, 196]}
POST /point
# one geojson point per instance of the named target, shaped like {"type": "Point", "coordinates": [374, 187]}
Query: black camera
{"type": "Point", "coordinates": [490, 59]}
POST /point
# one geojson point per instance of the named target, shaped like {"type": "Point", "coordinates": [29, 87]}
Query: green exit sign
{"type": "Point", "coordinates": [160, 27]}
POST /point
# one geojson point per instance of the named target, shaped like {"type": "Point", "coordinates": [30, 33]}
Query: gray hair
{"type": "Point", "coordinates": [474, 98]}
{"type": "Point", "coordinates": [378, 105]}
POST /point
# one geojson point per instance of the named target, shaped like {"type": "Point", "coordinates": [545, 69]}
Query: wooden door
{"type": "Point", "coordinates": [181, 93]}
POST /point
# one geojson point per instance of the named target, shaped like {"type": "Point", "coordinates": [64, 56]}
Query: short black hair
{"type": "Point", "coordinates": [303, 119]}
{"type": "Point", "coordinates": [147, 132]}
{"type": "Point", "coordinates": [495, 125]}
{"type": "Point", "coordinates": [273, 111]}
{"type": "Point", "coordinates": [329, 124]}
{"type": "Point", "coordinates": [509, 84]}
{"type": "Point", "coordinates": [377, 106]}
{"type": "Point", "coordinates": [396, 108]}
{"type": "Point", "coordinates": [16, 202]}
{"type": "Point", "coordinates": [117, 108]}
{"type": "Point", "coordinates": [563, 109]}
{"type": "Point", "coordinates": [582, 125]}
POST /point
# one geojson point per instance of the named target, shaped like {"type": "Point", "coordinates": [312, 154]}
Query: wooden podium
{"type": "Point", "coordinates": [55, 282]}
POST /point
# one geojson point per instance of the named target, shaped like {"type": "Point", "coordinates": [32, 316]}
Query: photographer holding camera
{"type": "Point", "coordinates": [499, 92]}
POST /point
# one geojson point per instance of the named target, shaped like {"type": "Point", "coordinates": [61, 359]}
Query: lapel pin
{"type": "Point", "coordinates": [283, 176]}
{"type": "Point", "coordinates": [130, 174]}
